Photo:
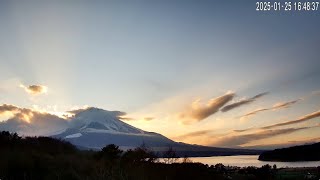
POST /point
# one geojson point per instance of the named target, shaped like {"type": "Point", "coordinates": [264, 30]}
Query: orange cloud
{"type": "Point", "coordinates": [284, 105]}
{"type": "Point", "coordinates": [277, 106]}
{"type": "Point", "coordinates": [35, 89]}
{"type": "Point", "coordinates": [242, 102]}
{"type": "Point", "coordinates": [30, 122]}
{"type": "Point", "coordinates": [133, 119]}
{"type": "Point", "coordinates": [296, 121]}
{"type": "Point", "coordinates": [237, 139]}
{"type": "Point", "coordinates": [199, 112]}
{"type": "Point", "coordinates": [193, 134]}
{"type": "Point", "coordinates": [8, 108]}
{"type": "Point", "coordinates": [148, 118]}
{"type": "Point", "coordinates": [299, 120]}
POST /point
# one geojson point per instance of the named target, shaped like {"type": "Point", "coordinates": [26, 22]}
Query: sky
{"type": "Point", "coordinates": [202, 72]}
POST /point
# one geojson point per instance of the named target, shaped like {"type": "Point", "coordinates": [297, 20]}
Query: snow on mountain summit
{"type": "Point", "coordinates": [94, 128]}
{"type": "Point", "coordinates": [95, 119]}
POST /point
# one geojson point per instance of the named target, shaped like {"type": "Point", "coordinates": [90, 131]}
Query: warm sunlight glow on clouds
{"type": "Point", "coordinates": [52, 110]}
{"type": "Point", "coordinates": [26, 116]}
{"type": "Point", "coordinates": [136, 118]}
{"type": "Point", "coordinates": [282, 141]}
{"type": "Point", "coordinates": [296, 121]}
{"type": "Point", "coordinates": [198, 112]}
{"type": "Point", "coordinates": [169, 71]}
{"type": "Point", "coordinates": [31, 122]}
{"type": "Point", "coordinates": [277, 106]}
{"type": "Point", "coordinates": [35, 89]}
{"type": "Point", "coordinates": [240, 139]}
{"type": "Point", "coordinates": [8, 108]}
{"type": "Point", "coordinates": [242, 102]}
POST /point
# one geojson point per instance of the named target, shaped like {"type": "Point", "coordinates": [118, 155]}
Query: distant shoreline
{"type": "Point", "coordinates": [293, 154]}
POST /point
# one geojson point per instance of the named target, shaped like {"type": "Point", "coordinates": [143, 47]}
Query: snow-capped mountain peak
{"type": "Point", "coordinates": [94, 128]}
{"type": "Point", "coordinates": [99, 120]}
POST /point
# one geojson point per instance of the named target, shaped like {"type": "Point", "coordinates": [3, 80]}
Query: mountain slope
{"type": "Point", "coordinates": [95, 128]}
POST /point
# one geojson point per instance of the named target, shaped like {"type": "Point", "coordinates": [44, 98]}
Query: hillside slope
{"type": "Point", "coordinates": [296, 153]}
{"type": "Point", "coordinates": [95, 128]}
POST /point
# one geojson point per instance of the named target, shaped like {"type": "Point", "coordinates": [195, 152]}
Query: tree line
{"type": "Point", "coordinates": [45, 158]}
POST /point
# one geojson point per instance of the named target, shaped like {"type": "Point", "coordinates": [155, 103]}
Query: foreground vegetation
{"type": "Point", "coordinates": [44, 158]}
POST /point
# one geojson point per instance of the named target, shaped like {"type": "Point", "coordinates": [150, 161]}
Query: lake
{"type": "Point", "coordinates": [249, 160]}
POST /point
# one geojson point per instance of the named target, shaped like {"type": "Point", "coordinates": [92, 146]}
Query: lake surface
{"type": "Point", "coordinates": [250, 160]}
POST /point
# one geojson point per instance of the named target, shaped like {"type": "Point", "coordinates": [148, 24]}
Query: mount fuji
{"type": "Point", "coordinates": [95, 128]}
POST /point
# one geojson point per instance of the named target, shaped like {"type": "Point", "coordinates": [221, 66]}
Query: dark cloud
{"type": "Point", "coordinates": [197, 112]}
{"type": "Point", "coordinates": [242, 102]}
{"type": "Point", "coordinates": [29, 122]}
{"type": "Point", "coordinates": [242, 130]}
{"type": "Point", "coordinates": [35, 89]}
{"type": "Point", "coordinates": [299, 120]}
{"type": "Point", "coordinates": [241, 139]}
{"type": "Point", "coordinates": [148, 118]}
{"type": "Point", "coordinates": [277, 106]}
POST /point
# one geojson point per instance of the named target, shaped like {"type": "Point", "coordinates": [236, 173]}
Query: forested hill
{"type": "Point", "coordinates": [296, 153]}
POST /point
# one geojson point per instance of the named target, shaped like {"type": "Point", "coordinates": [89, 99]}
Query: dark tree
{"type": "Point", "coordinates": [170, 156]}
{"type": "Point", "coordinates": [111, 152]}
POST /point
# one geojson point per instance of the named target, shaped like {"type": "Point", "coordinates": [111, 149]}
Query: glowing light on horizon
{"type": "Point", "coordinates": [27, 117]}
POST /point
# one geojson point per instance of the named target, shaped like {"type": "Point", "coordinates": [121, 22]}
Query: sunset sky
{"type": "Point", "coordinates": [203, 72]}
